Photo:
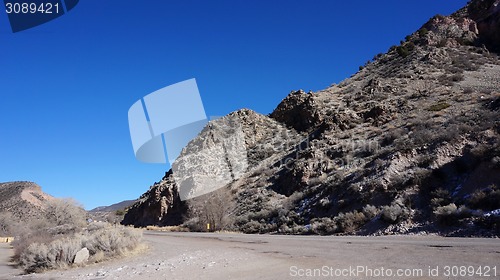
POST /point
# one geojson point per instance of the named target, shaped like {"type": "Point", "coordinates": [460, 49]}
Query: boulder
{"type": "Point", "coordinates": [81, 256]}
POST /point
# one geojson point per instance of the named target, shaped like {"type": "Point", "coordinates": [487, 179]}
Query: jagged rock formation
{"type": "Point", "coordinates": [160, 205]}
{"type": "Point", "coordinates": [410, 143]}
{"type": "Point", "coordinates": [260, 135]}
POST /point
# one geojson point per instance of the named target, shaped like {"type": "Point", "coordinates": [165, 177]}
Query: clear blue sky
{"type": "Point", "coordinates": [66, 86]}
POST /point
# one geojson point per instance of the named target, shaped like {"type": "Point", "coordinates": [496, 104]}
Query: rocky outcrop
{"type": "Point", "coordinates": [487, 15]}
{"type": "Point", "coordinates": [258, 139]}
{"type": "Point", "coordinates": [450, 31]}
{"type": "Point", "coordinates": [161, 205]}
{"type": "Point", "coordinates": [298, 110]}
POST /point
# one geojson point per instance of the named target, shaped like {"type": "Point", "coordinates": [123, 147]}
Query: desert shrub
{"type": "Point", "coordinates": [194, 224]}
{"type": "Point", "coordinates": [464, 62]}
{"type": "Point", "coordinates": [112, 241]}
{"type": "Point", "coordinates": [96, 226]}
{"type": "Point", "coordinates": [63, 229]}
{"type": "Point", "coordinates": [451, 79]}
{"type": "Point", "coordinates": [323, 226]}
{"type": "Point", "coordinates": [422, 32]}
{"type": "Point", "coordinates": [65, 212]}
{"type": "Point", "coordinates": [56, 254]}
{"type": "Point", "coordinates": [394, 213]}
{"type": "Point", "coordinates": [9, 225]}
{"type": "Point", "coordinates": [102, 243]}
{"type": "Point", "coordinates": [447, 215]}
{"type": "Point", "coordinates": [438, 106]}
{"type": "Point", "coordinates": [440, 197]}
{"type": "Point", "coordinates": [392, 135]}
{"type": "Point", "coordinates": [485, 199]}
{"type": "Point", "coordinates": [343, 222]}
{"type": "Point", "coordinates": [22, 242]}
{"type": "Point", "coordinates": [468, 90]}
{"type": "Point", "coordinates": [402, 51]}
{"type": "Point", "coordinates": [370, 211]}
{"type": "Point", "coordinates": [251, 227]}
{"type": "Point", "coordinates": [54, 240]}
{"type": "Point", "coordinates": [350, 221]}
{"type": "Point", "coordinates": [490, 222]}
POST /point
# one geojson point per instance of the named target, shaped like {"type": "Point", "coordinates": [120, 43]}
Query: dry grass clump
{"type": "Point", "coordinates": [168, 228]}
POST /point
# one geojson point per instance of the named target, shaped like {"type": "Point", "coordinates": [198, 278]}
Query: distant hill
{"type": "Point", "coordinates": [115, 207]}
{"type": "Point", "coordinates": [112, 213]}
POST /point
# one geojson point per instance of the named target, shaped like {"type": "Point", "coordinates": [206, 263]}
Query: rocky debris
{"type": "Point", "coordinates": [81, 256]}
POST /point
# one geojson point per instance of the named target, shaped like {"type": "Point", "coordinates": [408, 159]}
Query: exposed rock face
{"type": "Point", "coordinates": [262, 138]}
{"type": "Point", "coordinates": [487, 15]}
{"type": "Point", "coordinates": [450, 31]}
{"type": "Point", "coordinates": [298, 110]}
{"type": "Point", "coordinates": [160, 205]}
{"type": "Point", "coordinates": [396, 148]}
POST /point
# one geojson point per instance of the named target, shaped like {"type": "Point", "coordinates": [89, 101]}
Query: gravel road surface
{"type": "Point", "coordinates": [240, 256]}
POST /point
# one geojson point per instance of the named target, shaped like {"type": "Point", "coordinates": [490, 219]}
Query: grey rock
{"type": "Point", "coordinates": [81, 256]}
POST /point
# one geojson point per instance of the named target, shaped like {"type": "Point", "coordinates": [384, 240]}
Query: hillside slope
{"type": "Point", "coordinates": [409, 144]}
{"type": "Point", "coordinates": [21, 204]}
{"type": "Point", "coordinates": [23, 199]}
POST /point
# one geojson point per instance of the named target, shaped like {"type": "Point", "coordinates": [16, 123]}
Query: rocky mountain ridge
{"type": "Point", "coordinates": [409, 144]}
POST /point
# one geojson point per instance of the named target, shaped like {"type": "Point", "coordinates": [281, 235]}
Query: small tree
{"type": "Point", "coordinates": [214, 208]}
{"type": "Point", "coordinates": [65, 212]}
{"type": "Point", "coordinates": [8, 224]}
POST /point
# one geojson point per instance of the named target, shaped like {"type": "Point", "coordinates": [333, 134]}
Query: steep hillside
{"type": "Point", "coordinates": [23, 199]}
{"type": "Point", "coordinates": [409, 144]}
{"type": "Point", "coordinates": [261, 137]}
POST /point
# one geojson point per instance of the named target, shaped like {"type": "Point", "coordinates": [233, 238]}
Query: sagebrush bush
{"type": "Point", "coordinates": [323, 226]}
{"type": "Point", "coordinates": [486, 199]}
{"type": "Point", "coordinates": [394, 213]}
{"type": "Point", "coordinates": [112, 241]}
{"type": "Point", "coordinates": [56, 254]}
{"type": "Point", "coordinates": [101, 241]}
{"type": "Point", "coordinates": [350, 221]}
{"type": "Point", "coordinates": [447, 215]}
{"type": "Point", "coordinates": [370, 211]}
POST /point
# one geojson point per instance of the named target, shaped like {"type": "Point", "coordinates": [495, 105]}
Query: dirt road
{"type": "Point", "coordinates": [239, 256]}
{"type": "Point", "coordinates": [5, 268]}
